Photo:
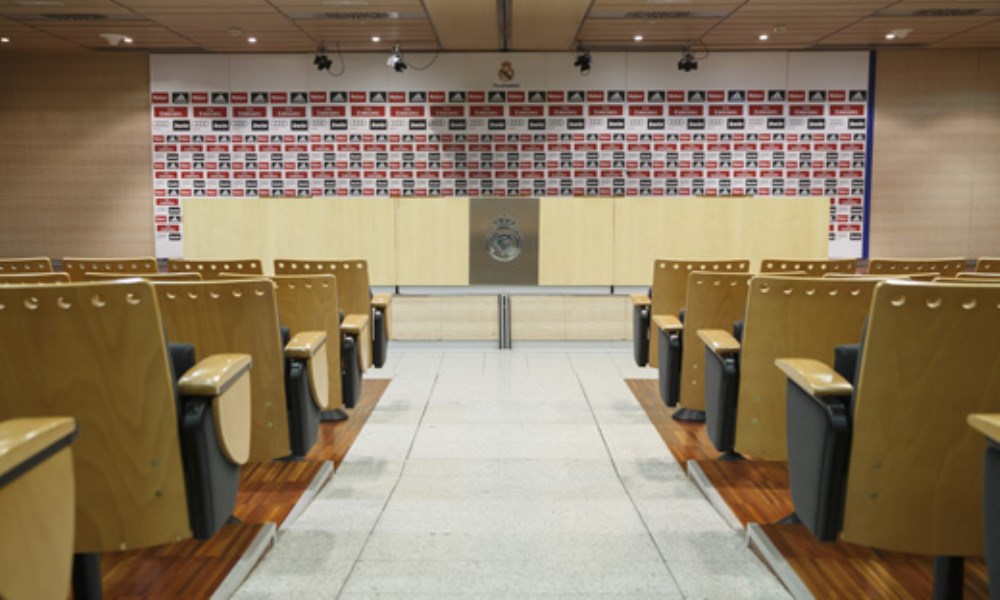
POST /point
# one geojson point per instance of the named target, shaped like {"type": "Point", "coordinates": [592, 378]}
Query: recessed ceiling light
{"type": "Point", "coordinates": [4, 40]}
{"type": "Point", "coordinates": [637, 37]}
{"type": "Point", "coordinates": [890, 36]}
{"type": "Point", "coordinates": [763, 37]}
{"type": "Point", "coordinates": [376, 39]}
{"type": "Point", "coordinates": [251, 40]}
{"type": "Point", "coordinates": [128, 40]}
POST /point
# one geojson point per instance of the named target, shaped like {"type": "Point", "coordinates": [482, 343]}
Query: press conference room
{"type": "Point", "coordinates": [498, 298]}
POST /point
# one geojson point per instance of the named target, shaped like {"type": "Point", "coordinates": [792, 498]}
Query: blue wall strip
{"type": "Point", "coordinates": [869, 143]}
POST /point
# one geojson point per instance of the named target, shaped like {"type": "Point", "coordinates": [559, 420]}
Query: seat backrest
{"type": "Point", "coordinates": [931, 357]}
{"type": "Point", "coordinates": [309, 303]}
{"type": "Point", "coordinates": [79, 267]}
{"type": "Point", "coordinates": [39, 264]}
{"type": "Point", "coordinates": [23, 278]}
{"type": "Point", "coordinates": [96, 352]}
{"type": "Point", "coordinates": [670, 280]}
{"type": "Point", "coordinates": [946, 267]}
{"type": "Point", "coordinates": [213, 269]}
{"type": "Point", "coordinates": [239, 316]}
{"type": "Point", "coordinates": [790, 317]}
{"type": "Point", "coordinates": [352, 279]}
{"type": "Point", "coordinates": [980, 275]}
{"type": "Point", "coordinates": [988, 265]}
{"type": "Point", "coordinates": [812, 268]}
{"type": "Point", "coordinates": [144, 276]}
{"type": "Point", "coordinates": [714, 301]}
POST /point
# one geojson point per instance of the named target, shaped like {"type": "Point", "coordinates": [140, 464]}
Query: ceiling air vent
{"type": "Point", "coordinates": [947, 12]}
{"type": "Point", "coordinates": [658, 15]}
{"type": "Point", "coordinates": [74, 17]}
{"type": "Point", "coordinates": [357, 16]}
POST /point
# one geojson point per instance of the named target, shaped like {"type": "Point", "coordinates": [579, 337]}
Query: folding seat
{"type": "Point", "coordinates": [79, 267]}
{"type": "Point", "coordinates": [40, 264]}
{"type": "Point", "coordinates": [988, 265]}
{"type": "Point", "coordinates": [666, 300]}
{"type": "Point", "coordinates": [143, 276]}
{"type": "Point", "coordinates": [983, 276]}
{"type": "Point", "coordinates": [368, 316]}
{"type": "Point", "coordinates": [158, 457]}
{"type": "Point", "coordinates": [946, 267]}
{"type": "Point", "coordinates": [36, 507]}
{"type": "Point", "coordinates": [214, 269]}
{"type": "Point", "coordinates": [289, 378]}
{"type": "Point", "coordinates": [785, 315]}
{"type": "Point", "coordinates": [889, 462]}
{"type": "Point", "coordinates": [989, 425]}
{"type": "Point", "coordinates": [25, 278]}
{"type": "Point", "coordinates": [811, 268]}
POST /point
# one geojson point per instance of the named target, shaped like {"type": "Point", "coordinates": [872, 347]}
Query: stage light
{"type": "Point", "coordinates": [582, 61]}
{"type": "Point", "coordinates": [395, 60]}
{"type": "Point", "coordinates": [322, 62]}
{"type": "Point", "coordinates": [687, 63]}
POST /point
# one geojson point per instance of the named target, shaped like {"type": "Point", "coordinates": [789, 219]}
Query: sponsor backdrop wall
{"type": "Point", "coordinates": [516, 124]}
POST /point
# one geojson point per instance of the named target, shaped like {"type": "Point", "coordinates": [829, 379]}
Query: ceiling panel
{"type": "Point", "coordinates": [465, 24]}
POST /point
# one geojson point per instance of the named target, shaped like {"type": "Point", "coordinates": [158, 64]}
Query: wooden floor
{"type": "Point", "coordinates": [758, 492]}
{"type": "Point", "coordinates": [267, 493]}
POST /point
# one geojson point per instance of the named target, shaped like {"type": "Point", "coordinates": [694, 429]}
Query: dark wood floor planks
{"type": "Point", "coordinates": [267, 493]}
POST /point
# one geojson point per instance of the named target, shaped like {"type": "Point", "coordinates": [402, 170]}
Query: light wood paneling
{"type": "Point", "coordinates": [647, 229]}
{"type": "Point", "coordinates": [75, 162]}
{"type": "Point", "coordinates": [445, 318]}
{"type": "Point", "coordinates": [576, 238]}
{"type": "Point", "coordinates": [549, 25]}
{"type": "Point", "coordinates": [432, 241]}
{"type": "Point", "coordinates": [569, 317]}
{"type": "Point", "coordinates": [465, 25]}
{"type": "Point", "coordinates": [226, 228]}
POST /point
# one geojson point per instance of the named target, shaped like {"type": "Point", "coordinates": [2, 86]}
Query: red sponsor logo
{"type": "Point", "coordinates": [239, 97]}
{"type": "Point", "coordinates": [837, 96]}
{"type": "Point", "coordinates": [279, 97]}
{"type": "Point", "coordinates": [755, 95]}
{"type": "Point", "coordinates": [367, 111]}
{"type": "Point", "coordinates": [605, 110]}
{"type": "Point", "coordinates": [357, 97]}
{"type": "Point", "coordinates": [199, 97]}
{"type": "Point", "coordinates": [397, 97]}
{"type": "Point", "coordinates": [486, 111]}
{"type": "Point", "coordinates": [839, 110]}
{"type": "Point", "coordinates": [446, 110]}
{"type": "Point", "coordinates": [766, 110]}
{"type": "Point", "coordinates": [436, 96]}
{"type": "Point", "coordinates": [406, 111]}
{"type": "Point", "coordinates": [635, 96]}
{"type": "Point", "coordinates": [716, 96]}
{"type": "Point", "coordinates": [477, 96]}
{"type": "Point", "coordinates": [249, 111]}
{"type": "Point", "coordinates": [796, 96]}
{"type": "Point", "coordinates": [288, 112]}
{"type": "Point", "coordinates": [527, 110]}
{"type": "Point", "coordinates": [160, 98]}
{"type": "Point", "coordinates": [806, 110]}
{"type": "Point", "coordinates": [565, 110]}
{"type": "Point", "coordinates": [595, 96]}
{"type": "Point", "coordinates": [645, 110]}
{"type": "Point", "coordinates": [687, 110]}
{"type": "Point", "coordinates": [515, 96]}
{"type": "Point", "coordinates": [726, 110]}
{"type": "Point", "coordinates": [317, 96]}
{"type": "Point", "coordinates": [675, 96]}
{"type": "Point", "coordinates": [170, 112]}
{"type": "Point", "coordinates": [328, 111]}
{"type": "Point", "coordinates": [211, 112]}
{"type": "Point", "coordinates": [556, 96]}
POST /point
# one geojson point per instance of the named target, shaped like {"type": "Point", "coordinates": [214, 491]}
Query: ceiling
{"type": "Point", "coordinates": [493, 25]}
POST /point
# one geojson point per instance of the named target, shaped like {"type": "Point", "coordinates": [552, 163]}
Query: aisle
{"type": "Point", "coordinates": [510, 474]}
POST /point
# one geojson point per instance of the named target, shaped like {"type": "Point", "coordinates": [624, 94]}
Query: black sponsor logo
{"type": "Point", "coordinates": [179, 98]}
{"type": "Point", "coordinates": [497, 124]}
{"type": "Point", "coordinates": [498, 96]}
{"type": "Point", "coordinates": [616, 96]}
{"type": "Point", "coordinates": [858, 95]}
{"type": "Point", "coordinates": [376, 96]}
{"type": "Point", "coordinates": [418, 124]}
{"type": "Point", "coordinates": [576, 124]}
{"type": "Point", "coordinates": [258, 97]}
{"type": "Point", "coordinates": [299, 125]}
{"type": "Point", "coordinates": [536, 124]}
{"type": "Point", "coordinates": [338, 97]}
{"type": "Point", "coordinates": [776, 95]}
{"type": "Point", "coordinates": [775, 123]}
{"type": "Point", "coordinates": [855, 123]}
{"type": "Point", "coordinates": [696, 96]}
{"type": "Point", "coordinates": [616, 123]}
{"type": "Point", "coordinates": [174, 237]}
{"type": "Point", "coordinates": [259, 125]}
{"type": "Point", "coordinates": [536, 96]}
{"type": "Point", "coordinates": [695, 124]}
{"type": "Point", "coordinates": [736, 124]}
{"type": "Point", "coordinates": [456, 97]}
{"type": "Point", "coordinates": [855, 236]}
{"type": "Point", "coordinates": [576, 96]}
{"type": "Point", "coordinates": [220, 97]}
{"type": "Point", "coordinates": [655, 96]}
{"type": "Point", "coordinates": [817, 123]}
{"type": "Point", "coordinates": [298, 98]}
{"type": "Point", "coordinates": [817, 95]}
{"type": "Point", "coordinates": [182, 125]}
{"type": "Point", "coordinates": [456, 125]}
{"type": "Point", "coordinates": [736, 96]}
{"type": "Point", "coordinates": [656, 123]}
{"type": "Point", "coordinates": [338, 124]}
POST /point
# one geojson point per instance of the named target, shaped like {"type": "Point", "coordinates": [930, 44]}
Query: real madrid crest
{"type": "Point", "coordinates": [504, 242]}
{"type": "Point", "coordinates": [506, 71]}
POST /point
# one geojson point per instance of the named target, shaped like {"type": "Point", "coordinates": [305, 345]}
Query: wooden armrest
{"type": "Point", "coordinates": [354, 324]}
{"type": "Point", "coordinates": [720, 341]}
{"type": "Point", "coordinates": [987, 424]}
{"type": "Point", "coordinates": [21, 440]}
{"type": "Point", "coordinates": [668, 323]}
{"type": "Point", "coordinates": [640, 300]}
{"type": "Point", "coordinates": [381, 300]}
{"type": "Point", "coordinates": [213, 375]}
{"type": "Point", "coordinates": [814, 377]}
{"type": "Point", "coordinates": [305, 344]}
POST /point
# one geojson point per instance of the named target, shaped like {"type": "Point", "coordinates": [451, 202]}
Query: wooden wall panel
{"type": "Point", "coordinates": [936, 154]}
{"type": "Point", "coordinates": [75, 160]}
{"type": "Point", "coordinates": [570, 317]}
{"type": "Point", "coordinates": [227, 228]}
{"type": "Point", "coordinates": [576, 241]}
{"type": "Point", "coordinates": [647, 229]}
{"type": "Point", "coordinates": [445, 318]}
{"type": "Point", "coordinates": [432, 241]}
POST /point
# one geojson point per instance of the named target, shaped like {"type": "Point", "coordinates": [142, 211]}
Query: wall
{"type": "Point", "coordinates": [71, 123]}
{"type": "Point", "coordinates": [936, 162]}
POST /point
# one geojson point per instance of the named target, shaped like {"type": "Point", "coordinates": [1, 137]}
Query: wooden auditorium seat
{"type": "Point", "coordinates": [666, 298]}
{"type": "Point", "coordinates": [214, 269]}
{"type": "Point", "coordinates": [363, 310]}
{"type": "Point", "coordinates": [38, 264]}
{"type": "Point", "coordinates": [153, 463]}
{"type": "Point", "coordinates": [989, 425]}
{"type": "Point", "coordinates": [89, 276]}
{"type": "Point", "coordinates": [23, 278]}
{"type": "Point", "coordinates": [785, 316]}
{"type": "Point", "coordinates": [988, 265]}
{"type": "Point", "coordinates": [983, 276]}
{"type": "Point", "coordinates": [289, 376]}
{"type": "Point", "coordinates": [36, 507]}
{"type": "Point", "coordinates": [812, 268]}
{"type": "Point", "coordinates": [946, 267]}
{"type": "Point", "coordinates": [890, 462]}
{"type": "Point", "coordinates": [79, 267]}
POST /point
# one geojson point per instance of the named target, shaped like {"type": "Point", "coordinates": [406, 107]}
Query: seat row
{"type": "Point", "coordinates": [862, 383]}
{"type": "Point", "coordinates": [172, 386]}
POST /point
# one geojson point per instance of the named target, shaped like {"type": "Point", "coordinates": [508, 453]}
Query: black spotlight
{"type": "Point", "coordinates": [582, 61]}
{"type": "Point", "coordinates": [396, 60]}
{"type": "Point", "coordinates": [687, 63]}
{"type": "Point", "coordinates": [322, 62]}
